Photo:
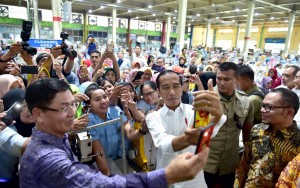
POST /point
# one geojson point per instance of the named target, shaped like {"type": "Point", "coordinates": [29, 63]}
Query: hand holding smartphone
{"type": "Point", "coordinates": [12, 113]}
{"type": "Point", "coordinates": [204, 138]}
{"type": "Point", "coordinates": [138, 76]}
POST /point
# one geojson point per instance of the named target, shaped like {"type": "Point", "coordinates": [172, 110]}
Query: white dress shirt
{"type": "Point", "coordinates": [164, 125]}
{"type": "Point", "coordinates": [141, 59]}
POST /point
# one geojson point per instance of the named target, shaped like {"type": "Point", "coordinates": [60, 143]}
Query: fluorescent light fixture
{"type": "Point", "coordinates": [272, 18]}
{"type": "Point", "coordinates": [193, 20]}
{"type": "Point", "coordinates": [156, 20]}
{"type": "Point", "coordinates": [137, 17]}
{"type": "Point", "coordinates": [237, 10]}
{"type": "Point", "coordinates": [150, 6]}
{"type": "Point", "coordinates": [174, 17]}
{"type": "Point", "coordinates": [175, 10]}
{"type": "Point", "coordinates": [198, 15]}
{"type": "Point", "coordinates": [173, 22]}
{"type": "Point", "coordinates": [213, 5]}
{"type": "Point", "coordinates": [129, 10]}
{"type": "Point", "coordinates": [153, 14]}
{"type": "Point", "coordinates": [90, 11]}
{"type": "Point", "coordinates": [217, 17]}
{"type": "Point", "coordinates": [119, 1]}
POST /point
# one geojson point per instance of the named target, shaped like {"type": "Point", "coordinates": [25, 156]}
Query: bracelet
{"type": "Point", "coordinates": [143, 132]}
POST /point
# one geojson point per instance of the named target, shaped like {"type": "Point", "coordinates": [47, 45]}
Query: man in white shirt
{"type": "Point", "coordinates": [95, 59]}
{"type": "Point", "coordinates": [171, 126]}
{"type": "Point", "coordinates": [136, 56]}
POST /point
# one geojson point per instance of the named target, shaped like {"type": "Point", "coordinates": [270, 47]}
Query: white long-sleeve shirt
{"type": "Point", "coordinates": [164, 125]}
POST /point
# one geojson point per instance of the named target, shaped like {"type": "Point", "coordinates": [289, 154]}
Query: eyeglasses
{"type": "Point", "coordinates": [125, 72]}
{"type": "Point", "coordinates": [148, 94]}
{"type": "Point", "coordinates": [269, 107]}
{"type": "Point", "coordinates": [237, 121]}
{"type": "Point", "coordinates": [66, 109]}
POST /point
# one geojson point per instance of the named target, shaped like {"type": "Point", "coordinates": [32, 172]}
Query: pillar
{"type": "Point", "coordinates": [181, 22]}
{"type": "Point", "coordinates": [85, 28]}
{"type": "Point", "coordinates": [114, 26]}
{"type": "Point", "coordinates": [128, 30]}
{"type": "Point", "coordinates": [191, 36]}
{"type": "Point", "coordinates": [207, 33]}
{"type": "Point", "coordinates": [56, 14]}
{"type": "Point", "coordinates": [251, 7]}
{"type": "Point", "coordinates": [36, 20]}
{"type": "Point", "coordinates": [168, 31]}
{"type": "Point", "coordinates": [28, 10]}
{"type": "Point", "coordinates": [163, 34]}
{"type": "Point", "coordinates": [289, 34]}
{"type": "Point", "coordinates": [261, 37]}
{"type": "Point", "coordinates": [238, 31]}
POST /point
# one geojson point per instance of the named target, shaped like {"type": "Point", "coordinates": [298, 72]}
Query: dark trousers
{"type": "Point", "coordinates": [219, 181]}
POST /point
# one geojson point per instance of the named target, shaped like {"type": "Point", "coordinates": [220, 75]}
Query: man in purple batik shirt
{"type": "Point", "coordinates": [49, 162]}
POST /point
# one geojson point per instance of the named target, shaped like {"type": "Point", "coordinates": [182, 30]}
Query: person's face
{"type": "Point", "coordinates": [226, 82]}
{"type": "Point", "coordinates": [242, 83]}
{"type": "Point", "coordinates": [25, 115]}
{"type": "Point", "coordinates": [150, 95]}
{"type": "Point", "coordinates": [137, 50]}
{"type": "Point", "coordinates": [160, 62]}
{"type": "Point", "coordinates": [288, 77]}
{"type": "Point", "coordinates": [42, 61]}
{"type": "Point", "coordinates": [95, 58]}
{"type": "Point", "coordinates": [276, 116]}
{"type": "Point", "coordinates": [21, 82]}
{"type": "Point", "coordinates": [110, 75]}
{"type": "Point", "coordinates": [185, 86]}
{"type": "Point", "coordinates": [170, 90]}
{"type": "Point", "coordinates": [146, 76]}
{"type": "Point", "coordinates": [297, 80]}
{"type": "Point", "coordinates": [215, 65]}
{"type": "Point", "coordinates": [271, 73]}
{"type": "Point", "coordinates": [109, 88]}
{"type": "Point", "coordinates": [54, 122]}
{"type": "Point", "coordinates": [181, 61]}
{"type": "Point", "coordinates": [124, 74]}
{"type": "Point", "coordinates": [42, 75]}
{"type": "Point", "coordinates": [152, 59]}
{"type": "Point", "coordinates": [120, 55]}
{"type": "Point", "coordinates": [99, 102]}
{"type": "Point", "coordinates": [16, 84]}
{"type": "Point", "coordinates": [269, 84]}
{"type": "Point", "coordinates": [130, 90]}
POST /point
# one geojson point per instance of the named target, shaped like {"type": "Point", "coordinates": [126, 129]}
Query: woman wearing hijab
{"type": "Point", "coordinates": [266, 84]}
{"type": "Point", "coordinates": [276, 79]}
{"type": "Point", "coordinates": [8, 82]}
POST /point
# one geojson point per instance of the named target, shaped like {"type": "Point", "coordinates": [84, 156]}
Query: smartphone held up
{"type": "Point", "coordinates": [204, 138]}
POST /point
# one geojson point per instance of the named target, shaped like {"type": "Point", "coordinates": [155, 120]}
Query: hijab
{"type": "Point", "coordinates": [6, 80]}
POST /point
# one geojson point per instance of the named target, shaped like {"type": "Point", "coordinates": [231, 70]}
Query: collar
{"type": "Point", "coordinates": [253, 88]}
{"type": "Point", "coordinates": [49, 138]}
{"type": "Point", "coordinates": [285, 132]}
{"type": "Point", "coordinates": [165, 109]}
{"type": "Point", "coordinates": [236, 95]}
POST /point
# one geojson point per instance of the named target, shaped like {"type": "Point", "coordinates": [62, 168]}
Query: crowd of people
{"type": "Point", "coordinates": [253, 103]}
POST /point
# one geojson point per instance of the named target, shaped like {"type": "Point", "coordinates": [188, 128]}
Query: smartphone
{"type": "Point", "coordinates": [29, 69]}
{"type": "Point", "coordinates": [12, 113]}
{"type": "Point", "coordinates": [204, 138]}
{"type": "Point", "coordinates": [138, 76]}
{"type": "Point", "coordinates": [110, 47]}
{"type": "Point", "coordinates": [201, 119]}
{"type": "Point", "coordinates": [157, 68]}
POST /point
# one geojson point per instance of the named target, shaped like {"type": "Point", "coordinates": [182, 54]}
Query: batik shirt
{"type": "Point", "coordinates": [290, 176]}
{"type": "Point", "coordinates": [266, 155]}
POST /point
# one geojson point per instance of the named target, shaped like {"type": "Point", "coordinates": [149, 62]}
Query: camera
{"type": "Point", "coordinates": [25, 36]}
{"type": "Point", "coordinates": [65, 48]}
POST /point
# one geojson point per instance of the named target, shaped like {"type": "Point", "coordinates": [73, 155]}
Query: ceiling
{"type": "Point", "coordinates": [199, 12]}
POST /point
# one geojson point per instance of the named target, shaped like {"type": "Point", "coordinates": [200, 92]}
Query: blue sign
{"type": "Point", "coordinates": [44, 43]}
